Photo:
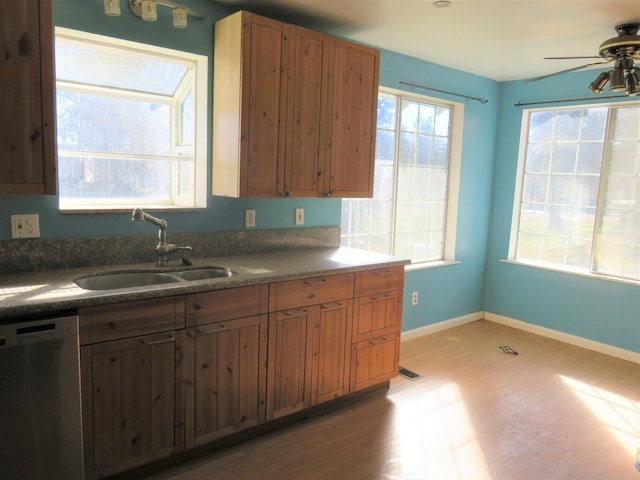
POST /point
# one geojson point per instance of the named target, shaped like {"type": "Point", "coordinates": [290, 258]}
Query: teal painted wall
{"type": "Point", "coordinates": [599, 310]}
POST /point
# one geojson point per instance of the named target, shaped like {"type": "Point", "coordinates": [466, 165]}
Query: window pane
{"type": "Point", "coordinates": [412, 223]}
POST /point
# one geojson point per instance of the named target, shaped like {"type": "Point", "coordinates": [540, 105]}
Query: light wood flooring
{"type": "Point", "coordinates": [554, 411]}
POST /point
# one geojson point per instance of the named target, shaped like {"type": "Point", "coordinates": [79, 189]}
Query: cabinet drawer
{"type": "Point", "coordinates": [379, 280]}
{"type": "Point", "coordinates": [129, 319]}
{"type": "Point", "coordinates": [377, 314]}
{"type": "Point", "coordinates": [374, 361]}
{"type": "Point", "coordinates": [310, 291]}
{"type": "Point", "coordinates": [220, 305]}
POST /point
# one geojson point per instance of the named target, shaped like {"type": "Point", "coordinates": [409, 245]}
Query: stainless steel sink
{"type": "Point", "coordinates": [115, 280]}
{"type": "Point", "coordinates": [112, 281]}
{"type": "Point", "coordinates": [204, 273]}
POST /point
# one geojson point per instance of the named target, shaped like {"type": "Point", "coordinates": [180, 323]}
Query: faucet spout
{"type": "Point", "coordinates": [163, 249]}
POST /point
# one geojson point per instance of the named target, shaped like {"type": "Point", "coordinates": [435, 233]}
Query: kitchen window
{"type": "Point", "coordinates": [577, 205]}
{"type": "Point", "coordinates": [131, 124]}
{"type": "Point", "coordinates": [413, 211]}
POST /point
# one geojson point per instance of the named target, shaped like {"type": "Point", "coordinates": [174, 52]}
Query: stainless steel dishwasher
{"type": "Point", "coordinates": [40, 414]}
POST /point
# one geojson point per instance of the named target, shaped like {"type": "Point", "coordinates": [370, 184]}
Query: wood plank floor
{"type": "Point", "coordinates": [554, 411]}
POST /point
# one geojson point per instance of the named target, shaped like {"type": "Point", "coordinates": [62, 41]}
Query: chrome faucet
{"type": "Point", "coordinates": [163, 249]}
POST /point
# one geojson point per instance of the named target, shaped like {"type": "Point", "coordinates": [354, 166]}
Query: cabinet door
{"type": "Point", "coordinates": [374, 361]}
{"type": "Point", "coordinates": [353, 97]}
{"type": "Point", "coordinates": [27, 131]}
{"type": "Point", "coordinates": [132, 402]}
{"type": "Point", "coordinates": [248, 148]}
{"type": "Point", "coordinates": [288, 368]}
{"type": "Point", "coordinates": [331, 331]}
{"type": "Point", "coordinates": [306, 86]}
{"type": "Point", "coordinates": [227, 391]}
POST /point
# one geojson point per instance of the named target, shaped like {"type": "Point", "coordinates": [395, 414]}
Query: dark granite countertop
{"type": "Point", "coordinates": [51, 291]}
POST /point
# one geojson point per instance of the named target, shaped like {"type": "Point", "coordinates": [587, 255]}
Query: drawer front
{"type": "Point", "coordinates": [310, 291]}
{"type": "Point", "coordinates": [129, 319]}
{"type": "Point", "coordinates": [379, 280]}
{"type": "Point", "coordinates": [377, 314]}
{"type": "Point", "coordinates": [374, 361]}
{"type": "Point", "coordinates": [221, 305]}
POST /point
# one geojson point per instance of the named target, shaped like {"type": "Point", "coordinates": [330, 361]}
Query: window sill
{"type": "Point", "coordinates": [580, 273]}
{"type": "Point", "coordinates": [428, 265]}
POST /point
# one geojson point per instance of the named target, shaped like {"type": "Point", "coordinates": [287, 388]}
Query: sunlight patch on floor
{"type": "Point", "coordinates": [437, 438]}
{"type": "Point", "coordinates": [620, 415]}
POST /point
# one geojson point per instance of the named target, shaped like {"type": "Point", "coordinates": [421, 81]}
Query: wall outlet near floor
{"type": "Point", "coordinates": [299, 216]}
{"type": "Point", "coordinates": [250, 218]}
{"type": "Point", "coordinates": [414, 298]}
{"type": "Point", "coordinates": [25, 226]}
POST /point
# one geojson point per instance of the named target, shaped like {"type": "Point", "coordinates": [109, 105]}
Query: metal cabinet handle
{"type": "Point", "coordinates": [209, 331]}
{"type": "Point", "coordinates": [335, 306]}
{"type": "Point", "coordinates": [159, 341]}
{"type": "Point", "coordinates": [384, 273]}
{"type": "Point", "coordinates": [377, 298]}
{"type": "Point", "coordinates": [315, 281]}
{"type": "Point", "coordinates": [378, 341]}
{"type": "Point", "coordinates": [298, 312]}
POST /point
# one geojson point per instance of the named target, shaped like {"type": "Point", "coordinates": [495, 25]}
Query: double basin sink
{"type": "Point", "coordinates": [111, 281]}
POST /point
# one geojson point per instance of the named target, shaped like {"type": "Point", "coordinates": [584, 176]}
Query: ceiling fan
{"type": "Point", "coordinates": [623, 50]}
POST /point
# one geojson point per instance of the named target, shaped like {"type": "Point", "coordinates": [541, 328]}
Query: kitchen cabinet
{"type": "Point", "coordinates": [351, 130]}
{"type": "Point", "coordinates": [27, 127]}
{"type": "Point", "coordinates": [294, 111]}
{"type": "Point", "coordinates": [376, 326]}
{"type": "Point", "coordinates": [309, 328]}
{"type": "Point", "coordinates": [226, 358]}
{"type": "Point", "coordinates": [132, 380]}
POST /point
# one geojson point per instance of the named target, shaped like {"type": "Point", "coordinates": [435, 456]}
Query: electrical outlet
{"type": "Point", "coordinates": [25, 226]}
{"type": "Point", "coordinates": [414, 298]}
{"type": "Point", "coordinates": [250, 218]}
{"type": "Point", "coordinates": [299, 216]}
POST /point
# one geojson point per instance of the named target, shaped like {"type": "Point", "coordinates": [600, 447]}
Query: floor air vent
{"type": "Point", "coordinates": [408, 374]}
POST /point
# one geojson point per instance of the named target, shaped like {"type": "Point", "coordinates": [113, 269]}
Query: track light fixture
{"type": "Point", "coordinates": [147, 10]}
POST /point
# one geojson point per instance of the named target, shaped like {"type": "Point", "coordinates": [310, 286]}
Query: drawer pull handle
{"type": "Point", "coordinates": [298, 312]}
{"type": "Point", "coordinates": [378, 341]}
{"type": "Point", "coordinates": [208, 331]}
{"type": "Point", "coordinates": [316, 281]}
{"type": "Point", "coordinates": [384, 273]}
{"type": "Point", "coordinates": [159, 341]}
{"type": "Point", "coordinates": [377, 298]}
{"type": "Point", "coordinates": [335, 306]}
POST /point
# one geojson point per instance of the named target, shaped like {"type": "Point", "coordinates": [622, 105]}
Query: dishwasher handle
{"type": "Point", "coordinates": [25, 333]}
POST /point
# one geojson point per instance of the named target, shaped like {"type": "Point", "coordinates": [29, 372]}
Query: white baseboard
{"type": "Point", "coordinates": [438, 327]}
{"type": "Point", "coordinates": [564, 337]}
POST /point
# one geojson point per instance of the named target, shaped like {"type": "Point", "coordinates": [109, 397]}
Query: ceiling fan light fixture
{"type": "Point", "coordinates": [617, 81]}
{"type": "Point", "coordinates": [633, 83]}
{"type": "Point", "coordinates": [599, 83]}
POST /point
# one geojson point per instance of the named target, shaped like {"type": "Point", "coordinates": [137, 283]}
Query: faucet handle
{"type": "Point", "coordinates": [184, 248]}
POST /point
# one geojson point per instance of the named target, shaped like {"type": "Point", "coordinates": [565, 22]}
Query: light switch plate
{"type": "Point", "coordinates": [299, 216]}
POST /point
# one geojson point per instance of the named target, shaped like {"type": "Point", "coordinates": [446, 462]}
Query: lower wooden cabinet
{"type": "Point", "coordinates": [226, 380]}
{"type": "Point", "coordinates": [132, 401]}
{"type": "Point", "coordinates": [374, 361]}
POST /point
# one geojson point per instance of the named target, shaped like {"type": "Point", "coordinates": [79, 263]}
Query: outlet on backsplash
{"type": "Point", "coordinates": [25, 226]}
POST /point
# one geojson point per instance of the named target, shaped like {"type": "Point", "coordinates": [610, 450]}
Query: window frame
{"type": "Point", "coordinates": [198, 74]}
{"type": "Point", "coordinates": [455, 138]}
{"type": "Point", "coordinates": [590, 271]}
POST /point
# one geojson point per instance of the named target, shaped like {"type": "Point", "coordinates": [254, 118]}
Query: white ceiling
{"type": "Point", "coordinates": [499, 39]}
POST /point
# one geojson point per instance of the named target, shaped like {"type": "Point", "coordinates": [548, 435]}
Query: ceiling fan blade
{"type": "Point", "coordinates": [535, 79]}
{"type": "Point", "coordinates": [570, 58]}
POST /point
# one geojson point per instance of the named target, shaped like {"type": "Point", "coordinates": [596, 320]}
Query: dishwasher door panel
{"type": "Point", "coordinates": [40, 412]}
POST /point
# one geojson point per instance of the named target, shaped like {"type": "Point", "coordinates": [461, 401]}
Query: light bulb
{"type": "Point", "coordinates": [149, 10]}
{"type": "Point", "coordinates": [112, 8]}
{"type": "Point", "coordinates": [179, 17]}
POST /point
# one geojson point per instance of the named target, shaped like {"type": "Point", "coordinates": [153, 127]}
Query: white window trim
{"type": "Point", "coordinates": [200, 106]}
{"type": "Point", "coordinates": [517, 203]}
{"type": "Point", "coordinates": [454, 175]}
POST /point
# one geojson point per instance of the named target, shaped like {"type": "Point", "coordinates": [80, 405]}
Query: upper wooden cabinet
{"type": "Point", "coordinates": [294, 111]}
{"type": "Point", "coordinates": [27, 128]}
